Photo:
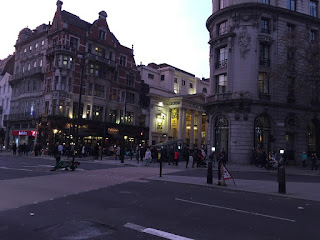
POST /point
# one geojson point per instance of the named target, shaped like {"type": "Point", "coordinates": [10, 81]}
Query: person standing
{"type": "Point", "coordinates": [176, 157]}
{"type": "Point", "coordinates": [137, 153]}
{"type": "Point", "coordinates": [60, 149]}
{"type": "Point", "coordinates": [186, 155]}
{"type": "Point", "coordinates": [171, 155]}
{"type": "Point", "coordinates": [314, 160]}
{"type": "Point", "coordinates": [304, 159]}
{"type": "Point", "coordinates": [14, 149]}
{"type": "Point", "coordinates": [118, 150]}
{"type": "Point", "coordinates": [147, 157]}
{"type": "Point", "coordinates": [195, 157]}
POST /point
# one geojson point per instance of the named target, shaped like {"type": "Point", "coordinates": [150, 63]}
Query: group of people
{"type": "Point", "coordinates": [311, 158]}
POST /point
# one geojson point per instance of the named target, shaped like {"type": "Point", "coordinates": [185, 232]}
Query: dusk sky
{"type": "Point", "coordinates": [172, 32]}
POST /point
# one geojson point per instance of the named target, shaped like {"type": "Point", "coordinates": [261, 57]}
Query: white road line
{"type": "Point", "coordinates": [236, 210]}
{"type": "Point", "coordinates": [155, 232]}
{"type": "Point", "coordinates": [18, 169]}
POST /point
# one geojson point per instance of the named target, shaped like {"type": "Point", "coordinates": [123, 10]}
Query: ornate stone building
{"type": "Point", "coordinates": [69, 62]}
{"type": "Point", "coordinates": [176, 105]}
{"type": "Point", "coordinates": [253, 104]}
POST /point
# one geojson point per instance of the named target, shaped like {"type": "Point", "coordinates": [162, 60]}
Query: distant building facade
{"type": "Point", "coordinates": [247, 107]}
{"type": "Point", "coordinates": [55, 63]}
{"type": "Point", "coordinates": [176, 105]}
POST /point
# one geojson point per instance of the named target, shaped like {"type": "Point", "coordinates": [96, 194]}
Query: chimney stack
{"type": "Point", "coordinates": [103, 15]}
{"type": "Point", "coordinates": [59, 5]}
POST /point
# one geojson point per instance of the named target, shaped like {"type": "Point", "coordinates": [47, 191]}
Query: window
{"type": "Point", "coordinates": [42, 44]}
{"type": "Point", "coordinates": [114, 94]}
{"type": "Point", "coordinates": [265, 28]}
{"type": "Point", "coordinates": [55, 24]}
{"type": "Point", "coordinates": [265, 1]}
{"type": "Point", "coordinates": [183, 82]}
{"type": "Point", "coordinates": [34, 85]}
{"type": "Point", "coordinates": [110, 55]}
{"type": "Point", "coordinates": [175, 80]}
{"type": "Point", "coordinates": [63, 83]}
{"type": "Point", "coordinates": [123, 60]}
{"type": "Point", "coordinates": [54, 42]}
{"type": "Point", "coordinates": [313, 35]}
{"type": "Point", "coordinates": [151, 76]}
{"type": "Point", "coordinates": [30, 48]}
{"type": "Point", "coordinates": [35, 64]}
{"type": "Point", "coordinates": [74, 42]}
{"type": "Point", "coordinates": [129, 118]}
{"type": "Point", "coordinates": [88, 111]}
{"type": "Point", "coordinates": [130, 80]}
{"type": "Point", "coordinates": [99, 91]}
{"type": "Point", "coordinates": [61, 107]}
{"type": "Point", "coordinates": [102, 34]}
{"type": "Point", "coordinates": [222, 28]}
{"type": "Point", "coordinates": [313, 8]}
{"type": "Point", "coordinates": [97, 113]}
{"type": "Point", "coordinates": [292, 5]}
{"type": "Point", "coordinates": [70, 85]}
{"type": "Point", "coordinates": [162, 78]}
{"type": "Point", "coordinates": [130, 98]}
{"type": "Point", "coordinates": [25, 51]}
{"type": "Point", "coordinates": [48, 87]}
{"type": "Point", "coordinates": [291, 87]}
{"type": "Point", "coordinates": [204, 90]}
{"type": "Point", "coordinates": [263, 83]}
{"type": "Point", "coordinates": [65, 61]}
{"type": "Point", "coordinates": [290, 28]}
{"type": "Point", "coordinates": [40, 63]}
{"type": "Point", "coordinates": [191, 85]}
{"type": "Point", "coordinates": [90, 89]}
{"type": "Point", "coordinates": [222, 57]}
{"type": "Point", "coordinates": [101, 52]}
{"type": "Point", "coordinates": [56, 82]}
{"type": "Point", "coordinates": [221, 84]}
{"type": "Point", "coordinates": [46, 107]}
{"type": "Point", "coordinates": [113, 116]}
{"type": "Point", "coordinates": [36, 47]}
{"type": "Point", "coordinates": [264, 55]}
{"type": "Point", "coordinates": [115, 76]}
{"type": "Point", "coordinates": [54, 106]}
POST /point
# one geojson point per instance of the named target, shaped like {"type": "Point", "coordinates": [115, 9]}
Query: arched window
{"type": "Point", "coordinates": [311, 137]}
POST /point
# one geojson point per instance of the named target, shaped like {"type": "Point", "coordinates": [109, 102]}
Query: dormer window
{"type": "Point", "coordinates": [102, 34]}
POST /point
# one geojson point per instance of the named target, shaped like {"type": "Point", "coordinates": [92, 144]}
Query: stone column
{"type": "Point", "coordinates": [199, 129]}
{"type": "Point", "coordinates": [182, 124]}
{"type": "Point", "coordinates": [192, 130]}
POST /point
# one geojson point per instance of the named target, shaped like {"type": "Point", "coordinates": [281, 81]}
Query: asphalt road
{"type": "Point", "coordinates": [146, 209]}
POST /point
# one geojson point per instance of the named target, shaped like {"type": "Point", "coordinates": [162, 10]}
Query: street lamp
{"type": "Point", "coordinates": [79, 105]}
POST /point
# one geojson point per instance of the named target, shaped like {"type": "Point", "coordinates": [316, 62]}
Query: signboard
{"type": "Point", "coordinates": [24, 133]}
{"type": "Point", "coordinates": [113, 130]}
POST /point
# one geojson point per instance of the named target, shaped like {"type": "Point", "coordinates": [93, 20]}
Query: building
{"type": "Point", "coordinates": [253, 104]}
{"type": "Point", "coordinates": [69, 62]}
{"type": "Point", "coordinates": [176, 105]}
{"type": "Point", "coordinates": [6, 71]}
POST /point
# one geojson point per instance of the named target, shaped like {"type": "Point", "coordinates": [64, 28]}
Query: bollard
{"type": "Point", "coordinates": [282, 180]}
{"type": "Point", "coordinates": [160, 167]}
{"type": "Point", "coordinates": [209, 173]}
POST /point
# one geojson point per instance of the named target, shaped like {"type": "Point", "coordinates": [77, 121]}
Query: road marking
{"type": "Point", "coordinates": [155, 232]}
{"type": "Point", "coordinates": [236, 210]}
{"type": "Point", "coordinates": [18, 169]}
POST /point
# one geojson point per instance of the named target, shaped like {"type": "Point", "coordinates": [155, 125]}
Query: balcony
{"type": "Point", "coordinates": [222, 64]}
{"type": "Point", "coordinates": [26, 73]}
{"type": "Point", "coordinates": [229, 96]}
{"type": "Point", "coordinates": [61, 49]}
{"type": "Point", "coordinates": [96, 58]}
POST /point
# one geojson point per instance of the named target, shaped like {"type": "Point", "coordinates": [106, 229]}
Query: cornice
{"type": "Point", "coordinates": [262, 8]}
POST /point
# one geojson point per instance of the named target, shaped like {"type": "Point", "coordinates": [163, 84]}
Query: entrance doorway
{"type": "Point", "coordinates": [221, 134]}
{"type": "Point", "coordinates": [262, 133]}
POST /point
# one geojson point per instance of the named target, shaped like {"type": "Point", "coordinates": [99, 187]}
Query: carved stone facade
{"type": "Point", "coordinates": [258, 110]}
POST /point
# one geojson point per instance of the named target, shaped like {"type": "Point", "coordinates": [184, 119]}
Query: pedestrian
{"type": "Point", "coordinates": [212, 158]}
{"type": "Point", "coordinates": [304, 158]}
{"type": "Point", "coordinates": [137, 153]}
{"type": "Point", "coordinates": [154, 154]}
{"type": "Point", "coordinates": [253, 157]}
{"type": "Point", "coordinates": [147, 157]}
{"type": "Point", "coordinates": [60, 149]}
{"type": "Point", "coordinates": [171, 155]}
{"type": "Point", "coordinates": [118, 150]}
{"type": "Point", "coordinates": [314, 160]}
{"type": "Point", "coordinates": [14, 149]}
{"type": "Point", "coordinates": [176, 157]}
{"type": "Point", "coordinates": [195, 157]}
{"type": "Point", "coordinates": [186, 155]}
{"type": "Point", "coordinates": [223, 157]}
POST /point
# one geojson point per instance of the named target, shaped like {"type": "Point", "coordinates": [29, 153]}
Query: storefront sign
{"type": "Point", "coordinates": [24, 133]}
{"type": "Point", "coordinates": [113, 130]}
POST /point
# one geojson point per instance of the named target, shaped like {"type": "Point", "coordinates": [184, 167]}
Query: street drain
{"type": "Point", "coordinates": [78, 230]}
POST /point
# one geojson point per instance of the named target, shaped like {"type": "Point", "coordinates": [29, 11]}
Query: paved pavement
{"type": "Point", "coordinates": [299, 190]}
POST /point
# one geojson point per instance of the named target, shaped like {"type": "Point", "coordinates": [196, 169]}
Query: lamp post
{"type": "Point", "coordinates": [79, 105]}
{"type": "Point", "coordinates": [281, 174]}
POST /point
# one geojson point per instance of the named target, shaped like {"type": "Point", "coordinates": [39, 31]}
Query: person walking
{"type": "Point", "coordinates": [304, 159]}
{"type": "Point", "coordinates": [147, 157]}
{"type": "Point", "coordinates": [137, 153]}
{"type": "Point", "coordinates": [176, 157]}
{"type": "Point", "coordinates": [195, 157]}
{"type": "Point", "coordinates": [171, 155]}
{"type": "Point", "coordinates": [118, 150]}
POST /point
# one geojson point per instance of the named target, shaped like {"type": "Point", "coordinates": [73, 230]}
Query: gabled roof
{"type": "Point", "coordinates": [74, 20]}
